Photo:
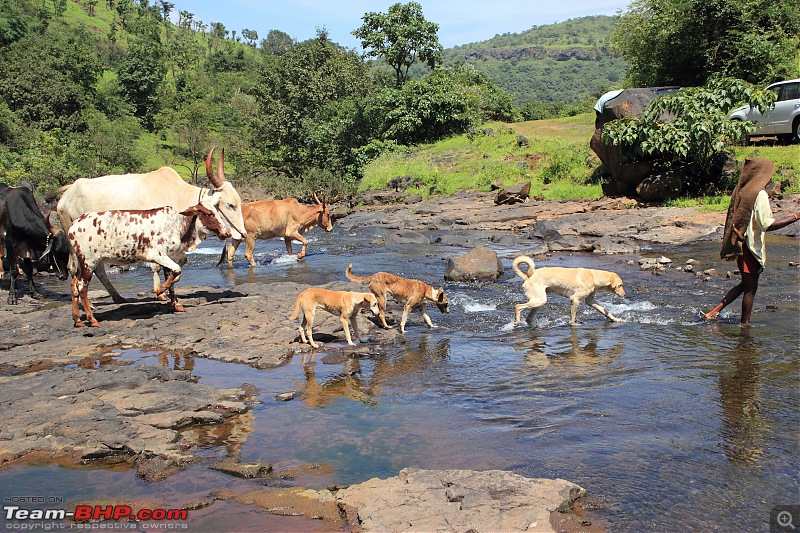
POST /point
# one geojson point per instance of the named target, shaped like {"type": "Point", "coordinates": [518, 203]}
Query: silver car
{"type": "Point", "coordinates": [783, 119]}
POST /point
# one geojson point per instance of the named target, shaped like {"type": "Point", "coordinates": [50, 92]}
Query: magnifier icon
{"type": "Point", "coordinates": [785, 520]}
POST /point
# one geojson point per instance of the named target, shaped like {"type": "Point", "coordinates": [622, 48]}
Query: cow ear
{"type": "Point", "coordinates": [190, 211]}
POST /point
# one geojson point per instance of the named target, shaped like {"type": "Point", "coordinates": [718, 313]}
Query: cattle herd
{"type": "Point", "coordinates": [156, 217]}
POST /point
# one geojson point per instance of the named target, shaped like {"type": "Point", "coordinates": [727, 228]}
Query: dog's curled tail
{"type": "Point", "coordinates": [353, 277]}
{"type": "Point", "coordinates": [528, 261]}
{"type": "Point", "coordinates": [296, 309]}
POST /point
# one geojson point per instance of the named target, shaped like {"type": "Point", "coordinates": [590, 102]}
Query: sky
{"type": "Point", "coordinates": [460, 22]}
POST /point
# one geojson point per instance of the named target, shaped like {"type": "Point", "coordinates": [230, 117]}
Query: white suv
{"type": "Point", "coordinates": [783, 119]}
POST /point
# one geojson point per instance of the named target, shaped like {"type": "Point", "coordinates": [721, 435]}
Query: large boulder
{"type": "Point", "coordinates": [457, 500]}
{"type": "Point", "coordinates": [631, 102]}
{"type": "Point", "coordinates": [665, 185]}
{"type": "Point", "coordinates": [480, 264]}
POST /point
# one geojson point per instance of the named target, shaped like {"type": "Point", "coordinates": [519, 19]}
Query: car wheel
{"type": "Point", "coordinates": [796, 130]}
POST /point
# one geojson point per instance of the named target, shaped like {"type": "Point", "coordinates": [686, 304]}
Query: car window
{"type": "Point", "coordinates": [790, 91]}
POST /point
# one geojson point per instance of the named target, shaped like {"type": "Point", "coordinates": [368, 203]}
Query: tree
{"type": "Point", "coordinates": [685, 42]}
{"type": "Point", "coordinates": [445, 102]}
{"type": "Point", "coordinates": [401, 37]}
{"type": "Point", "coordinates": [12, 23]}
{"type": "Point", "coordinates": [251, 36]}
{"type": "Point", "coordinates": [309, 112]}
{"type": "Point", "coordinates": [141, 75]}
{"type": "Point", "coordinates": [277, 43]}
{"type": "Point", "coordinates": [48, 80]}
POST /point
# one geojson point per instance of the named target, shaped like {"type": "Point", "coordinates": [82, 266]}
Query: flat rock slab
{"type": "Point", "coordinates": [456, 500]}
{"type": "Point", "coordinates": [109, 411]}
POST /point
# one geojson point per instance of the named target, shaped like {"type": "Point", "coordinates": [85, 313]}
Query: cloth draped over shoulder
{"type": "Point", "coordinates": [756, 174]}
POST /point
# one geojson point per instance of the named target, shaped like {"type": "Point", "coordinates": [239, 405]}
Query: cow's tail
{"type": "Point", "coordinates": [58, 192]}
{"type": "Point", "coordinates": [224, 255]}
{"type": "Point", "coordinates": [528, 261]}
{"type": "Point", "coordinates": [296, 310]}
{"type": "Point", "coordinates": [353, 277]}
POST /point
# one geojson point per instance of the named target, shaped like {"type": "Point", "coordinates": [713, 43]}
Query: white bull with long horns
{"type": "Point", "coordinates": [159, 188]}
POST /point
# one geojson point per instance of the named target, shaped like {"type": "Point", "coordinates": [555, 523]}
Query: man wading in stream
{"type": "Point", "coordinates": [749, 218]}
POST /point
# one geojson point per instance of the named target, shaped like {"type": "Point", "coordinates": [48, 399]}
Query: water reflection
{"type": "Point", "coordinates": [743, 426]}
{"type": "Point", "coordinates": [581, 348]}
{"type": "Point", "coordinates": [411, 360]}
{"type": "Point", "coordinates": [345, 384]}
{"type": "Point", "coordinates": [180, 361]}
{"type": "Point", "coordinates": [231, 434]}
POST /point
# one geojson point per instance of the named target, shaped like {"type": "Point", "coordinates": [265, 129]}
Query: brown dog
{"type": "Point", "coordinates": [574, 283]}
{"type": "Point", "coordinates": [345, 304]}
{"type": "Point", "coordinates": [412, 293]}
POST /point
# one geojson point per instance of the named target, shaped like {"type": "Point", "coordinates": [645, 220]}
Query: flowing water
{"type": "Point", "coordinates": [672, 422]}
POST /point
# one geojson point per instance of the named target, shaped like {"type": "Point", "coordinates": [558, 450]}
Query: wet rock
{"type": "Point", "coordinates": [457, 501]}
{"type": "Point", "coordinates": [109, 412]}
{"type": "Point", "coordinates": [611, 245]}
{"type": "Point", "coordinates": [287, 396]}
{"type": "Point", "coordinates": [243, 470]}
{"type": "Point", "coordinates": [545, 230]}
{"type": "Point", "coordinates": [479, 264]}
{"type": "Point", "coordinates": [456, 240]}
{"type": "Point", "coordinates": [405, 237]}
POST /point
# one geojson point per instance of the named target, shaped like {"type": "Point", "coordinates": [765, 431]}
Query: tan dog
{"type": "Point", "coordinates": [412, 293]}
{"type": "Point", "coordinates": [345, 304]}
{"type": "Point", "coordinates": [574, 283]}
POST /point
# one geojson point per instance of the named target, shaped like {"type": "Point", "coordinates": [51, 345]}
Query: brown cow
{"type": "Point", "coordinates": [286, 218]}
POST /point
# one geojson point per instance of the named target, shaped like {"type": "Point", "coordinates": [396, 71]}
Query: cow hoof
{"type": "Point", "coordinates": [178, 308]}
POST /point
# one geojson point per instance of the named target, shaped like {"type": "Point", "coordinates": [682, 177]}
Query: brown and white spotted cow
{"type": "Point", "coordinates": [162, 236]}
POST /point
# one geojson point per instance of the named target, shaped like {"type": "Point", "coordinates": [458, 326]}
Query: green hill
{"type": "Point", "coordinates": [567, 62]}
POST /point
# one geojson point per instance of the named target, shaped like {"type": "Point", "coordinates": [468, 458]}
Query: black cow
{"type": "Point", "coordinates": [26, 234]}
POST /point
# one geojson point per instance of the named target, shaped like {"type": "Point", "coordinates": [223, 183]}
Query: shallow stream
{"type": "Point", "coordinates": [672, 422]}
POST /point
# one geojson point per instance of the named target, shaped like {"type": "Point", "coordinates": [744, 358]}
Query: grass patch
{"type": "Point", "coordinates": [705, 203]}
{"type": "Point", "coordinates": [556, 160]}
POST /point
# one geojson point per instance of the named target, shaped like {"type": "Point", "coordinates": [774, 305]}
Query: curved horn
{"type": "Point", "coordinates": [215, 180]}
{"type": "Point", "coordinates": [47, 223]}
{"type": "Point", "coordinates": [221, 167]}
{"type": "Point", "coordinates": [317, 199]}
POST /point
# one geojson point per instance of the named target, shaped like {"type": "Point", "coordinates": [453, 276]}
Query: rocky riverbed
{"type": "Point", "coordinates": [60, 402]}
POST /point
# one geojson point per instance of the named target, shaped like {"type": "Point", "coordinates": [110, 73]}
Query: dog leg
{"type": "Point", "coordinates": [381, 297]}
{"type": "Point", "coordinates": [574, 303]}
{"type": "Point", "coordinates": [537, 297]}
{"type": "Point", "coordinates": [346, 328]}
{"type": "Point", "coordinates": [590, 302]}
{"type": "Point", "coordinates": [354, 323]}
{"type": "Point", "coordinates": [406, 311]}
{"type": "Point", "coordinates": [423, 308]}
{"type": "Point", "coordinates": [309, 319]}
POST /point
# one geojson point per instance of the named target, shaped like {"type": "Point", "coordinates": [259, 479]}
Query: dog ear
{"type": "Point", "coordinates": [441, 294]}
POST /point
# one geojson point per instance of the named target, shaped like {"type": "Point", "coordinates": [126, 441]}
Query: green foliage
{"type": "Point", "coordinates": [308, 111]}
{"type": "Point", "coordinates": [13, 25]}
{"type": "Point", "coordinates": [401, 37]}
{"type": "Point", "coordinates": [684, 42]}
{"type": "Point", "coordinates": [48, 80]}
{"type": "Point", "coordinates": [445, 102]}
{"type": "Point", "coordinates": [140, 76]}
{"type": "Point", "coordinates": [690, 127]}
